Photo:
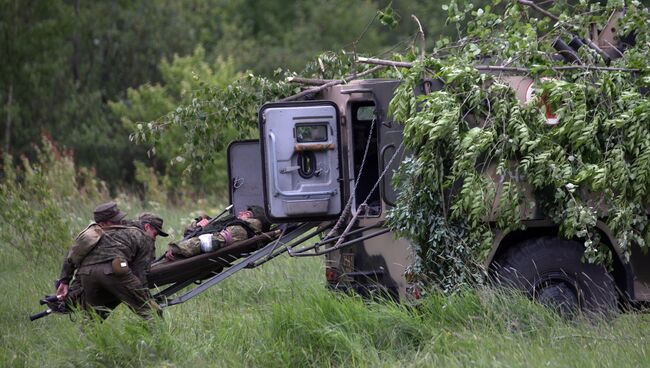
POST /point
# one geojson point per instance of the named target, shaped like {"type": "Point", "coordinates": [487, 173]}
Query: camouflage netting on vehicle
{"type": "Point", "coordinates": [600, 148]}
{"type": "Point", "coordinates": [594, 164]}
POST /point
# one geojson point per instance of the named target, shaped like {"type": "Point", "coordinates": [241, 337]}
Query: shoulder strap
{"type": "Point", "coordinates": [123, 227]}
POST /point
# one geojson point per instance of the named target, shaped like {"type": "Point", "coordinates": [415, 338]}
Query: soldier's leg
{"type": "Point", "coordinates": [186, 248]}
{"type": "Point", "coordinates": [96, 296]}
{"type": "Point", "coordinates": [129, 289]}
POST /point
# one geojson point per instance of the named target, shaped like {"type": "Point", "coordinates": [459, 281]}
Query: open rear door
{"type": "Point", "coordinates": [301, 163]}
{"type": "Point", "coordinates": [245, 175]}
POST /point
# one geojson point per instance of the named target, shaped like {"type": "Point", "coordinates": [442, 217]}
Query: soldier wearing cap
{"type": "Point", "coordinates": [222, 233]}
{"type": "Point", "coordinates": [115, 270]}
{"type": "Point", "coordinates": [105, 215]}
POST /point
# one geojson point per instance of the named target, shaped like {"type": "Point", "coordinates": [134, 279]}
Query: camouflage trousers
{"type": "Point", "coordinates": [104, 291]}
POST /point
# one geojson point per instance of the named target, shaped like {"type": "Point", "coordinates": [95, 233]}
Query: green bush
{"type": "Point", "coordinates": [37, 200]}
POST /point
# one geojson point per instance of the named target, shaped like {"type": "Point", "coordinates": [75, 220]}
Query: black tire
{"type": "Point", "coordinates": [550, 271]}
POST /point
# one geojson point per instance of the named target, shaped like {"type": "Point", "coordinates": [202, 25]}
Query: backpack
{"type": "Point", "coordinates": [84, 243]}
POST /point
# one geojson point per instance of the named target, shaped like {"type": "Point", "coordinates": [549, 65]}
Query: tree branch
{"type": "Point", "coordinates": [399, 64]}
{"type": "Point", "coordinates": [421, 34]}
{"type": "Point", "coordinates": [427, 86]}
{"type": "Point", "coordinates": [404, 64]}
{"type": "Point", "coordinates": [539, 9]}
{"type": "Point", "coordinates": [332, 83]}
{"type": "Point", "coordinates": [308, 81]}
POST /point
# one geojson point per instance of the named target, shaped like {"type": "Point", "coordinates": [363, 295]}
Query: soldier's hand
{"type": "Point", "coordinates": [62, 291]}
{"type": "Point", "coordinates": [169, 255]}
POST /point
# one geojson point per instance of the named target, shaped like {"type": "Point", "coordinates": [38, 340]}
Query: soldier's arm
{"type": "Point", "coordinates": [67, 271]}
{"type": "Point", "coordinates": [139, 260]}
{"type": "Point", "coordinates": [227, 236]}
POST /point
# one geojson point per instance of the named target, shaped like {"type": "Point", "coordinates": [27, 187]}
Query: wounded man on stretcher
{"type": "Point", "coordinates": [208, 237]}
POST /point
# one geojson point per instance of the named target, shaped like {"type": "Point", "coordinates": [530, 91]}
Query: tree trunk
{"type": "Point", "coordinates": [10, 97]}
{"type": "Point", "coordinates": [75, 45]}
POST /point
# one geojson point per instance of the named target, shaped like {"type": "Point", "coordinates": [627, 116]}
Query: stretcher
{"type": "Point", "coordinates": [202, 265]}
{"type": "Point", "coordinates": [207, 270]}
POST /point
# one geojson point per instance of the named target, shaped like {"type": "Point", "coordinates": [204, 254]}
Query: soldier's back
{"type": "Point", "coordinates": [125, 242]}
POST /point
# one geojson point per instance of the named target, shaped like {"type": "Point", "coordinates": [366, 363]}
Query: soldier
{"type": "Point", "coordinates": [105, 215]}
{"type": "Point", "coordinates": [116, 268]}
{"type": "Point", "coordinates": [219, 234]}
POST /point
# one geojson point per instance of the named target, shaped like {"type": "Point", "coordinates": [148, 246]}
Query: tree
{"type": "Point", "coordinates": [181, 78]}
{"type": "Point", "coordinates": [30, 66]}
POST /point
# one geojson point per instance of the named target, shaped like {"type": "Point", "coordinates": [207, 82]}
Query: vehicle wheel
{"type": "Point", "coordinates": [550, 271]}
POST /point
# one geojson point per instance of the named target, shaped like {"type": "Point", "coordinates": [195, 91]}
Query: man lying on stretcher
{"type": "Point", "coordinates": [218, 234]}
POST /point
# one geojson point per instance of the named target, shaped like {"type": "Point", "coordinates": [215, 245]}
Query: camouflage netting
{"type": "Point", "coordinates": [600, 148]}
{"type": "Point", "coordinates": [595, 164]}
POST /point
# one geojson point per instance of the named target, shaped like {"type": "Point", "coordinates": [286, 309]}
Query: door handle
{"type": "Point", "coordinates": [289, 169]}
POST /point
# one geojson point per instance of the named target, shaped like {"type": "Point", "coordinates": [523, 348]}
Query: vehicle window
{"type": "Point", "coordinates": [366, 112]}
{"type": "Point", "coordinates": [311, 133]}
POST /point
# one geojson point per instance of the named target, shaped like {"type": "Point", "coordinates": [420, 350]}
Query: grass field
{"type": "Point", "coordinates": [281, 315]}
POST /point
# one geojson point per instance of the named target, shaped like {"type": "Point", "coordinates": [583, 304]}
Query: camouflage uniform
{"type": "Point", "coordinates": [116, 269]}
{"type": "Point", "coordinates": [88, 238]}
{"type": "Point", "coordinates": [105, 213]}
{"type": "Point", "coordinates": [233, 233]}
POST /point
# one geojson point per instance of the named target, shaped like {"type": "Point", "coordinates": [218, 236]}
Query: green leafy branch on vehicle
{"type": "Point", "coordinates": [593, 165]}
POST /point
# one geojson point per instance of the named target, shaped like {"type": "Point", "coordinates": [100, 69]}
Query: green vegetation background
{"type": "Point", "coordinates": [75, 80]}
{"type": "Point", "coordinates": [85, 73]}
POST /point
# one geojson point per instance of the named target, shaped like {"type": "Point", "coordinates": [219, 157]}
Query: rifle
{"type": "Point", "coordinates": [198, 229]}
{"type": "Point", "coordinates": [54, 305]}
{"type": "Point", "coordinates": [72, 301]}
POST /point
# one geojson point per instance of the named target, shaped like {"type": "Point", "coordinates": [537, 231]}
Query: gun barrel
{"type": "Point", "coordinates": [42, 314]}
{"type": "Point", "coordinates": [198, 230]}
{"type": "Point", "coordinates": [48, 299]}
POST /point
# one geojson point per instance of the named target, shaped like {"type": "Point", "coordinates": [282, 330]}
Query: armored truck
{"type": "Point", "coordinates": [319, 155]}
{"type": "Point", "coordinates": [330, 161]}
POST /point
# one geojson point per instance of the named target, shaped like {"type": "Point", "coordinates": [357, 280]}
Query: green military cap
{"type": "Point", "coordinates": [154, 220]}
{"type": "Point", "coordinates": [108, 212]}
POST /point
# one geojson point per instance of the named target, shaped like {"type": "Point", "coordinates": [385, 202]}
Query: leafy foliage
{"type": "Point", "coordinates": [215, 116]}
{"type": "Point", "coordinates": [182, 78]}
{"type": "Point", "coordinates": [35, 200]}
{"type": "Point", "coordinates": [478, 148]}
{"type": "Point", "coordinates": [482, 158]}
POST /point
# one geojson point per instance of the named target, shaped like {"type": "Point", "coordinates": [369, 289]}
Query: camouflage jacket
{"type": "Point", "coordinates": [128, 243]}
{"type": "Point", "coordinates": [83, 244]}
{"type": "Point", "coordinates": [231, 234]}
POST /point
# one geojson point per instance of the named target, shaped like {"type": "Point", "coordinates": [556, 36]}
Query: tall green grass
{"type": "Point", "coordinates": [282, 315]}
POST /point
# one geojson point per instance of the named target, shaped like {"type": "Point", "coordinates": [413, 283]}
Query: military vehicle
{"type": "Point", "coordinates": [334, 156]}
